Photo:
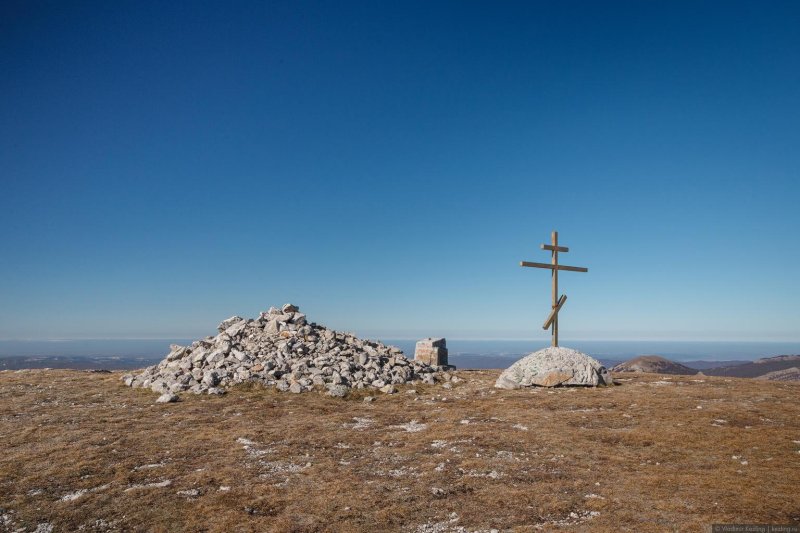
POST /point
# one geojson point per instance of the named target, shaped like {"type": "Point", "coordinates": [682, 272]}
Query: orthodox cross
{"type": "Point", "coordinates": [558, 303]}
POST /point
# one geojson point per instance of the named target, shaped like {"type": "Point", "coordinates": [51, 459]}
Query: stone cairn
{"type": "Point", "coordinates": [282, 349]}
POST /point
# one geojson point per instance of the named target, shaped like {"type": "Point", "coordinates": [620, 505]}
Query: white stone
{"type": "Point", "coordinates": [236, 328]}
{"type": "Point", "coordinates": [225, 324]}
{"type": "Point", "coordinates": [338, 391]}
{"type": "Point", "coordinates": [167, 397]}
{"type": "Point", "coordinates": [552, 367]}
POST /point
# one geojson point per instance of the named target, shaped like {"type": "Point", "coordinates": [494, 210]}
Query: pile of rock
{"type": "Point", "coordinates": [281, 348]}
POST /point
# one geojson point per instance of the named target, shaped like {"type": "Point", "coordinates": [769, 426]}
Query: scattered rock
{"type": "Point", "coordinates": [360, 423]}
{"type": "Point", "coordinates": [337, 391]}
{"type": "Point", "coordinates": [73, 495]}
{"type": "Point", "coordinates": [411, 427]}
{"type": "Point", "coordinates": [155, 485]}
{"type": "Point", "coordinates": [147, 466]}
{"type": "Point", "coordinates": [167, 397]}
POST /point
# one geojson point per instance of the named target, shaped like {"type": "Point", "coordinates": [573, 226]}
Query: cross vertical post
{"type": "Point", "coordinates": [554, 262]}
{"type": "Point", "coordinates": [557, 303]}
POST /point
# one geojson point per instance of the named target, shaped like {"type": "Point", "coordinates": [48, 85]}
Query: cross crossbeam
{"type": "Point", "coordinates": [554, 267]}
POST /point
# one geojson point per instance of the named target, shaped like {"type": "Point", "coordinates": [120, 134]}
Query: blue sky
{"type": "Point", "coordinates": [387, 165]}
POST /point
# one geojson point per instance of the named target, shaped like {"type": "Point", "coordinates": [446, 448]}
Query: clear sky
{"type": "Point", "coordinates": [386, 165]}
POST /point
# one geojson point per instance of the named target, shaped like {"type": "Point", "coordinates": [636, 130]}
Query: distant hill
{"type": "Point", "coordinates": [757, 368]}
{"type": "Point", "coordinates": [777, 358]}
{"type": "Point", "coordinates": [789, 374]}
{"type": "Point", "coordinates": [702, 364]}
{"type": "Point", "coordinates": [653, 364]}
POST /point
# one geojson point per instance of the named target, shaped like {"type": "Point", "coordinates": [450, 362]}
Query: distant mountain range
{"type": "Point", "coordinates": [703, 365]}
{"type": "Point", "coordinates": [18, 362]}
{"type": "Point", "coordinates": [757, 368]}
{"type": "Point", "coordinates": [778, 368]}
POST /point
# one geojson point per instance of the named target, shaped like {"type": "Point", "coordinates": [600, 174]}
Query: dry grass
{"type": "Point", "coordinates": [654, 454]}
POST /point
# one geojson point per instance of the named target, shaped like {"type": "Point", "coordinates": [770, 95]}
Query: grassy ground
{"type": "Point", "coordinates": [82, 452]}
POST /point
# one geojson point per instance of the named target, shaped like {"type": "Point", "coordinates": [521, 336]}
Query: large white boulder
{"type": "Point", "coordinates": [554, 366]}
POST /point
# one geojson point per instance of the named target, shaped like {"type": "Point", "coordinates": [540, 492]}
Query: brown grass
{"type": "Point", "coordinates": [642, 455]}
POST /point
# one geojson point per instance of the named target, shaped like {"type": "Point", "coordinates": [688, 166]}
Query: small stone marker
{"type": "Point", "coordinates": [431, 351]}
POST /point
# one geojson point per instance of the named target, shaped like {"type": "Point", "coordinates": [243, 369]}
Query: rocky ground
{"type": "Point", "coordinates": [82, 452]}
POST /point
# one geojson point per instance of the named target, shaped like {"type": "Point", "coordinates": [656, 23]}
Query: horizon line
{"type": "Point", "coordinates": [390, 338]}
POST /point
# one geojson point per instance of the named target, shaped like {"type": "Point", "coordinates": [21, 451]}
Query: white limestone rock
{"type": "Point", "coordinates": [225, 324]}
{"type": "Point", "coordinates": [167, 398]}
{"type": "Point", "coordinates": [552, 367]}
{"type": "Point", "coordinates": [337, 391]}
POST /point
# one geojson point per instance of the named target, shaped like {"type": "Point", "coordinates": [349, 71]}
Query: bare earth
{"type": "Point", "coordinates": [658, 453]}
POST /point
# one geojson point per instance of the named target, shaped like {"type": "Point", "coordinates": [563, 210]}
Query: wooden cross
{"type": "Point", "coordinates": [558, 303]}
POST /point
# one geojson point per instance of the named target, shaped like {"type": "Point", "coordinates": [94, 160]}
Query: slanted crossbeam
{"type": "Point", "coordinates": [554, 267]}
{"type": "Point", "coordinates": [554, 312]}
